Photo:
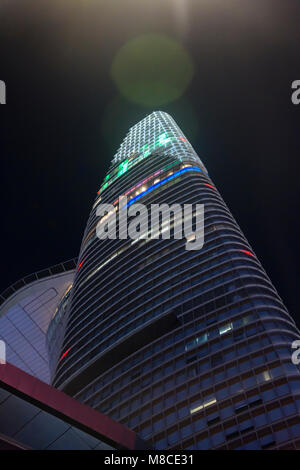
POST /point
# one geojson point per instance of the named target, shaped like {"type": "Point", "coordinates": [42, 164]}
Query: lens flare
{"type": "Point", "coordinates": [152, 70]}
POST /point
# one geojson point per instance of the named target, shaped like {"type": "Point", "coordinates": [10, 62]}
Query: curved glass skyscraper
{"type": "Point", "coordinates": [189, 348]}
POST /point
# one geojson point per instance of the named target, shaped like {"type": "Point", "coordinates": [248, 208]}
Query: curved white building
{"type": "Point", "coordinates": [26, 309]}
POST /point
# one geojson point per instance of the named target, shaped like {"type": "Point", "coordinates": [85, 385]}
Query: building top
{"type": "Point", "coordinates": [156, 134]}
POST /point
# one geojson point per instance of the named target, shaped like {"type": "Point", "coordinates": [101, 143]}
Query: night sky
{"type": "Point", "coordinates": [65, 118]}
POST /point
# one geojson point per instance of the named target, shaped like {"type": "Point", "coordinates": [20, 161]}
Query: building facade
{"type": "Point", "coordinates": [191, 349]}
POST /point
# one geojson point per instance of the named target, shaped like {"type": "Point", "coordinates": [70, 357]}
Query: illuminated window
{"type": "Point", "coordinates": [225, 328]}
{"type": "Point", "coordinates": [264, 376]}
{"type": "Point", "coordinates": [208, 402]}
{"type": "Point", "coordinates": [196, 342]}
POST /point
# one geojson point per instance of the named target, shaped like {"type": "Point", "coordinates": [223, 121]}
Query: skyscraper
{"type": "Point", "coordinates": [189, 348]}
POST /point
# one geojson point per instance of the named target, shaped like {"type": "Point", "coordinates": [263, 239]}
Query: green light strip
{"type": "Point", "coordinates": [124, 166]}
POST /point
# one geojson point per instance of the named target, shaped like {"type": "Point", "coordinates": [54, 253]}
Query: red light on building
{"type": "Point", "coordinates": [248, 253]}
{"type": "Point", "coordinates": [64, 354]}
{"type": "Point", "coordinates": [79, 266]}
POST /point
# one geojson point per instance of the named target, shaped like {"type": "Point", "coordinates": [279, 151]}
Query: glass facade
{"type": "Point", "coordinates": [190, 349]}
{"type": "Point", "coordinates": [34, 415]}
{"type": "Point", "coordinates": [30, 427]}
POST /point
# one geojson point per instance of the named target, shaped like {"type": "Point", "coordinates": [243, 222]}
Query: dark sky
{"type": "Point", "coordinates": [65, 118]}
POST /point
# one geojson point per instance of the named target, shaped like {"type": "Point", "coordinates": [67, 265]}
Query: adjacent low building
{"type": "Point", "coordinates": [34, 415]}
{"type": "Point", "coordinates": [26, 309]}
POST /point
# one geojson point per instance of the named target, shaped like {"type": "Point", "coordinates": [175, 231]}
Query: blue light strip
{"type": "Point", "coordinates": [169, 178]}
